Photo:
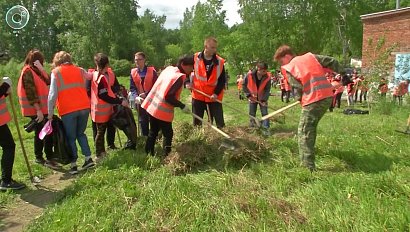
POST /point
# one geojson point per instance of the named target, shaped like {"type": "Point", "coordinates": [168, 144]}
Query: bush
{"type": "Point", "coordinates": [121, 67]}
{"type": "Point", "coordinates": [385, 107]}
{"type": "Point", "coordinates": [11, 69]}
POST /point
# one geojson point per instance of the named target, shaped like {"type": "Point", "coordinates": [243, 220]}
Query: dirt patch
{"type": "Point", "coordinates": [32, 202]}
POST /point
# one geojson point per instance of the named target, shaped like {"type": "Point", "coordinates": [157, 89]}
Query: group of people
{"type": "Point", "coordinates": [156, 96]}
{"type": "Point", "coordinates": [77, 94]}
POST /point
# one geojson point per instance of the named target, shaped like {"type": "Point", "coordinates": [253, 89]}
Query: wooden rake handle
{"type": "Point", "coordinates": [280, 110]}
{"type": "Point", "coordinates": [231, 107]}
{"type": "Point", "coordinates": [212, 126]}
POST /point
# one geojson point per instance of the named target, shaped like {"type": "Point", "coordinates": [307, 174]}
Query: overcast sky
{"type": "Point", "coordinates": [174, 10]}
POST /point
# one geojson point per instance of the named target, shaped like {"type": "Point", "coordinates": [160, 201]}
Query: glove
{"type": "Point", "coordinates": [139, 100]}
{"type": "Point", "coordinates": [40, 116]}
{"type": "Point", "coordinates": [8, 81]}
{"type": "Point", "coordinates": [186, 109]}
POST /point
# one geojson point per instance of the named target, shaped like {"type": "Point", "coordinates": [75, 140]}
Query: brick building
{"type": "Point", "coordinates": [385, 31]}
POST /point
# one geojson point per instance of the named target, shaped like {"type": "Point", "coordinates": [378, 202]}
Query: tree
{"type": "Point", "coordinates": [91, 26]}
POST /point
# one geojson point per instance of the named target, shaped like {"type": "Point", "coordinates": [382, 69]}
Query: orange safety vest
{"type": "Point", "coordinates": [253, 89]}
{"type": "Point", "coordinates": [110, 77]}
{"type": "Point", "coordinates": [4, 113]}
{"type": "Point", "coordinates": [384, 88]}
{"type": "Point", "coordinates": [72, 94]}
{"type": "Point", "coordinates": [101, 111]}
{"type": "Point", "coordinates": [309, 72]}
{"type": "Point", "coordinates": [155, 103]}
{"type": "Point", "coordinates": [285, 80]}
{"type": "Point", "coordinates": [338, 87]}
{"type": "Point", "coordinates": [239, 82]}
{"type": "Point", "coordinates": [41, 90]}
{"type": "Point", "coordinates": [204, 84]}
{"type": "Point", "coordinates": [148, 80]}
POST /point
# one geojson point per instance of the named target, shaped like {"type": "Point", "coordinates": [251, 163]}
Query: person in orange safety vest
{"type": "Point", "coordinates": [6, 140]}
{"type": "Point", "coordinates": [142, 79]}
{"type": "Point", "coordinates": [68, 93]}
{"type": "Point", "coordinates": [102, 100]}
{"type": "Point", "coordinates": [161, 101]}
{"type": "Point", "coordinates": [209, 78]}
{"type": "Point", "coordinates": [306, 75]}
{"type": "Point", "coordinates": [32, 90]}
{"type": "Point", "coordinates": [256, 87]}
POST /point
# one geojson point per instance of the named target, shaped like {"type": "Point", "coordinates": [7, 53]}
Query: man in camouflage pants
{"type": "Point", "coordinates": [305, 73]}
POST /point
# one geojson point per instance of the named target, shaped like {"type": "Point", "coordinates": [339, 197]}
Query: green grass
{"type": "Point", "coordinates": [362, 182]}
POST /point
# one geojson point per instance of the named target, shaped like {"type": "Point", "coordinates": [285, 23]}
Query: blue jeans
{"type": "Point", "coordinates": [264, 111]}
{"type": "Point", "coordinates": [75, 124]}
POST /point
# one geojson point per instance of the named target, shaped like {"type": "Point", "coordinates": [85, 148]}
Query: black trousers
{"type": "Point", "coordinates": [167, 133]}
{"type": "Point", "coordinates": [285, 94]}
{"type": "Point", "coordinates": [110, 132]}
{"type": "Point", "coordinates": [143, 120]}
{"type": "Point", "coordinates": [46, 144]}
{"type": "Point", "coordinates": [338, 100]}
{"type": "Point", "coordinates": [215, 108]}
{"type": "Point", "coordinates": [9, 149]}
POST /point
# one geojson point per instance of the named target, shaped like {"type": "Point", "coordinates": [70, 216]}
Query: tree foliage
{"type": "Point", "coordinates": [84, 27]}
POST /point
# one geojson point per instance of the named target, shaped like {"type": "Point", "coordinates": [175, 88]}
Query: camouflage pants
{"type": "Point", "coordinates": [309, 119]}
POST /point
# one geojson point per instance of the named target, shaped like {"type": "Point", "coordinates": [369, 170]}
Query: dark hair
{"type": "Point", "coordinates": [140, 54]}
{"type": "Point", "coordinates": [101, 60]}
{"type": "Point", "coordinates": [262, 65]}
{"type": "Point", "coordinates": [282, 51]}
{"type": "Point", "coordinates": [32, 56]}
{"type": "Point", "coordinates": [186, 60]}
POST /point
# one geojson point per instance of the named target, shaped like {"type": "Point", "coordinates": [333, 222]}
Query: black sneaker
{"type": "Point", "coordinates": [88, 164]}
{"type": "Point", "coordinates": [40, 160]}
{"type": "Point", "coordinates": [13, 185]}
{"type": "Point", "coordinates": [73, 170]}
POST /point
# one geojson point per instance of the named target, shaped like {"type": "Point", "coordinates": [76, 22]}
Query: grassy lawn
{"type": "Point", "coordinates": [362, 182]}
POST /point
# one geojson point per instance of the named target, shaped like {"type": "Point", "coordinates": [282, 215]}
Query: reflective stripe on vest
{"type": "Point", "coordinates": [155, 103]}
{"type": "Point", "coordinates": [41, 88]}
{"type": "Point", "coordinates": [253, 88]}
{"type": "Point", "coordinates": [101, 111]}
{"type": "Point", "coordinates": [204, 84]}
{"type": "Point", "coordinates": [62, 86]}
{"type": "Point", "coordinates": [148, 80]}
{"type": "Point", "coordinates": [308, 71]}
{"type": "Point", "coordinates": [72, 95]}
{"type": "Point", "coordinates": [4, 113]}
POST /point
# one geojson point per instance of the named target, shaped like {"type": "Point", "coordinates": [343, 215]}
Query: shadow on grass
{"type": "Point", "coordinates": [369, 163]}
